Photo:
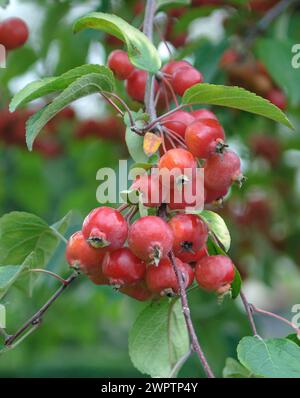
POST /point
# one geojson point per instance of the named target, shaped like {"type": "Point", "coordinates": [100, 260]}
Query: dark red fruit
{"type": "Point", "coordinates": [162, 279]}
{"type": "Point", "coordinates": [13, 33]}
{"type": "Point", "coordinates": [150, 238]}
{"type": "Point", "coordinates": [277, 98]}
{"type": "Point", "coordinates": [139, 291]}
{"type": "Point", "coordinates": [178, 122]}
{"type": "Point", "coordinates": [185, 78]}
{"type": "Point", "coordinates": [190, 233]}
{"type": "Point", "coordinates": [105, 227]}
{"type": "Point", "coordinates": [150, 188]}
{"type": "Point", "coordinates": [214, 272]}
{"type": "Point", "coordinates": [188, 257]}
{"type": "Point", "coordinates": [172, 66]}
{"type": "Point", "coordinates": [122, 267]}
{"type": "Point", "coordinates": [119, 63]}
{"type": "Point", "coordinates": [136, 85]}
{"type": "Point", "coordinates": [220, 170]}
{"type": "Point", "coordinates": [200, 114]}
{"type": "Point", "coordinates": [80, 255]}
{"type": "Point", "coordinates": [214, 195]}
{"type": "Point", "coordinates": [203, 136]}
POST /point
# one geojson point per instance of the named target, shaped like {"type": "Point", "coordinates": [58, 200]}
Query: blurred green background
{"type": "Point", "coordinates": [85, 333]}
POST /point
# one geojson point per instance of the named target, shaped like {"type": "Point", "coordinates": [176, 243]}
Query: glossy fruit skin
{"type": "Point", "coordinates": [277, 98]}
{"type": "Point", "coordinates": [162, 279]}
{"type": "Point", "coordinates": [172, 66]}
{"type": "Point", "coordinates": [185, 78]}
{"type": "Point", "coordinates": [13, 33]}
{"type": "Point", "coordinates": [139, 291]}
{"type": "Point", "coordinates": [177, 158]}
{"type": "Point", "coordinates": [136, 85]}
{"type": "Point", "coordinates": [178, 122]}
{"type": "Point", "coordinates": [190, 233]}
{"type": "Point", "coordinates": [214, 272]}
{"type": "Point", "coordinates": [150, 188]}
{"type": "Point", "coordinates": [200, 114]}
{"type": "Point", "coordinates": [212, 195]}
{"type": "Point", "coordinates": [105, 227]}
{"type": "Point", "coordinates": [150, 238]}
{"type": "Point", "coordinates": [202, 137]}
{"type": "Point", "coordinates": [192, 258]}
{"type": "Point", "coordinates": [122, 267]}
{"type": "Point", "coordinates": [119, 63]}
{"type": "Point", "coordinates": [220, 170]}
{"type": "Point", "coordinates": [81, 255]}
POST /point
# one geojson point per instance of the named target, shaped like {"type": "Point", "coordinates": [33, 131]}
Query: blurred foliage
{"type": "Point", "coordinates": [85, 333]}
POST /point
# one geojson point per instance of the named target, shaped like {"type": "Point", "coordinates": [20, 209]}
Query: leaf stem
{"type": "Point", "coordinates": [59, 235]}
{"type": "Point", "coordinates": [53, 274]}
{"type": "Point", "coordinates": [271, 314]}
{"type": "Point", "coordinates": [248, 309]}
{"type": "Point", "coordinates": [36, 319]}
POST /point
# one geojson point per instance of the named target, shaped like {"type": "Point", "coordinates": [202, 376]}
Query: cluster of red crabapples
{"type": "Point", "coordinates": [134, 258]}
{"type": "Point", "coordinates": [13, 33]}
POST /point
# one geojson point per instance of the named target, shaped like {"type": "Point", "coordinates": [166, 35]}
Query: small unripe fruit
{"type": "Point", "coordinates": [150, 238]}
{"type": "Point", "coordinates": [185, 78]}
{"type": "Point", "coordinates": [122, 267]}
{"type": "Point", "coordinates": [80, 255]}
{"type": "Point", "coordinates": [119, 63]}
{"type": "Point", "coordinates": [203, 136]}
{"type": "Point", "coordinates": [190, 233]}
{"type": "Point", "coordinates": [161, 279]}
{"type": "Point", "coordinates": [214, 272]}
{"type": "Point", "coordinates": [105, 227]}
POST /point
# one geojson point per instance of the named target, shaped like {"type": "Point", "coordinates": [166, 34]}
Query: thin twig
{"type": "Point", "coordinates": [59, 235]}
{"type": "Point", "coordinates": [248, 309]}
{"type": "Point", "coordinates": [179, 363]}
{"type": "Point", "coordinates": [112, 103]}
{"type": "Point", "coordinates": [262, 25]}
{"type": "Point", "coordinates": [36, 319]}
{"type": "Point", "coordinates": [186, 312]}
{"type": "Point", "coordinates": [271, 314]}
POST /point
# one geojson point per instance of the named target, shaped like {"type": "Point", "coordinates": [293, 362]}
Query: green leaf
{"type": "Point", "coordinates": [134, 141]}
{"type": "Point", "coordinates": [9, 274]}
{"type": "Point", "coordinates": [171, 3]}
{"type": "Point", "coordinates": [275, 358]}
{"type": "Point", "coordinates": [276, 56]}
{"type": "Point", "coordinates": [236, 284]}
{"type": "Point", "coordinates": [141, 51]}
{"type": "Point", "coordinates": [234, 97]}
{"type": "Point", "coordinates": [217, 225]}
{"type": "Point", "coordinates": [213, 248]}
{"type": "Point", "coordinates": [294, 337]}
{"type": "Point", "coordinates": [23, 233]}
{"type": "Point", "coordinates": [85, 85]}
{"type": "Point", "coordinates": [134, 144]}
{"type": "Point", "coordinates": [4, 3]}
{"type": "Point", "coordinates": [50, 85]}
{"type": "Point", "coordinates": [158, 338]}
{"type": "Point", "coordinates": [234, 370]}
